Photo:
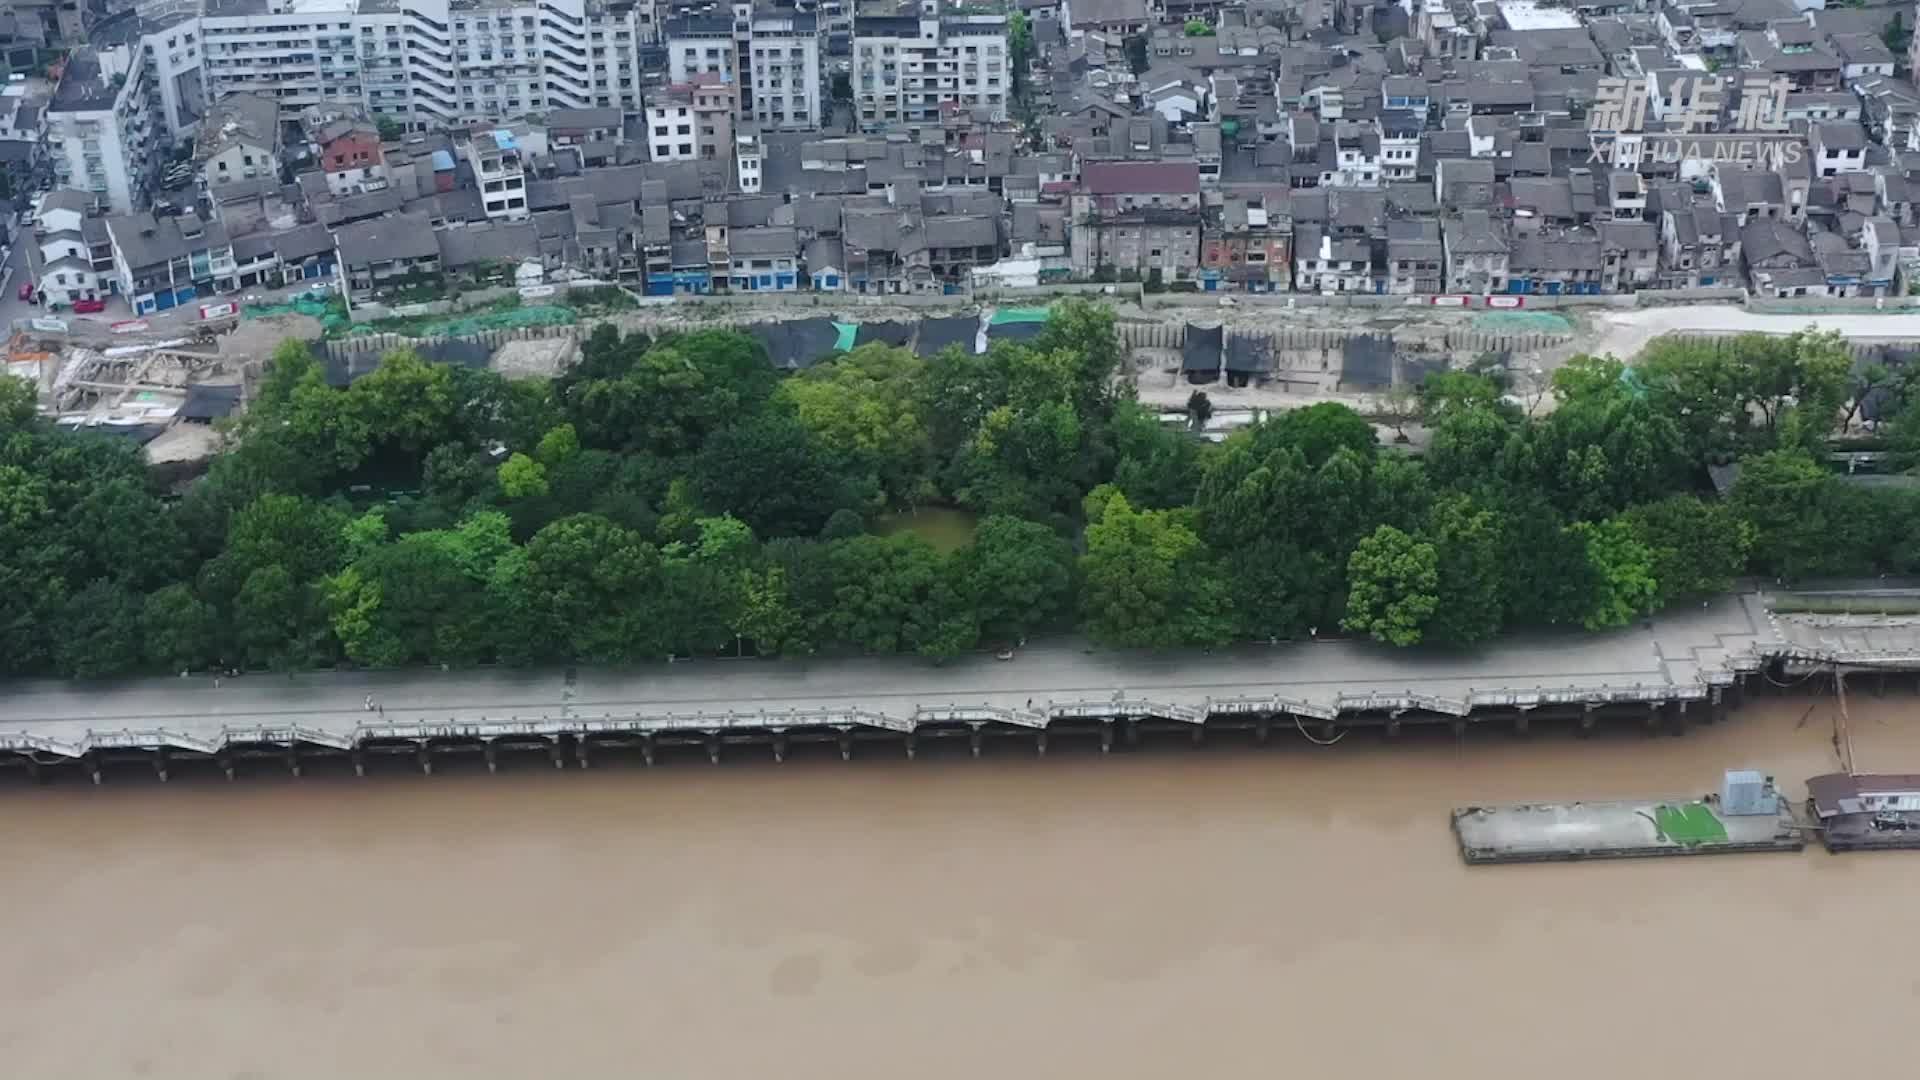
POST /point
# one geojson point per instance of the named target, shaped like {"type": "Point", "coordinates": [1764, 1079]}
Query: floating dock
{"type": "Point", "coordinates": [1628, 829]}
{"type": "Point", "coordinates": [1859, 812]}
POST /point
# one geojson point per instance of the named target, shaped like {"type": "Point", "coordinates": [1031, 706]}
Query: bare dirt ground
{"type": "Point", "coordinates": [183, 442]}
{"type": "Point", "coordinates": [537, 358]}
{"type": "Point", "coordinates": [255, 339]}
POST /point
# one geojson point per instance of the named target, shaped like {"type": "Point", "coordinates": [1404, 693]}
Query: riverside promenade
{"type": "Point", "coordinates": [1682, 667]}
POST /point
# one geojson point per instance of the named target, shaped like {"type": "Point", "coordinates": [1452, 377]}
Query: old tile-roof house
{"type": "Point", "coordinates": [1477, 252]}
{"type": "Point", "coordinates": [386, 251]}
{"type": "Point", "coordinates": [1630, 252]}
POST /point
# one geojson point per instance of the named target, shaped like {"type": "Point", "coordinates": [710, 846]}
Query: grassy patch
{"type": "Point", "coordinates": [945, 528]}
{"type": "Point", "coordinates": [1689, 824]}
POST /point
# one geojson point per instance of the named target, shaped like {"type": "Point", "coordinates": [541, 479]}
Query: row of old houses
{"type": "Point", "coordinates": [1498, 146]}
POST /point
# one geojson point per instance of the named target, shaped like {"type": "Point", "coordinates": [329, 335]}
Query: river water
{"type": "Point", "coordinates": [1293, 911]}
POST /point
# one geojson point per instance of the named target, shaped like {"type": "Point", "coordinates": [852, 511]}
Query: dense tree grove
{"type": "Point", "coordinates": [679, 497]}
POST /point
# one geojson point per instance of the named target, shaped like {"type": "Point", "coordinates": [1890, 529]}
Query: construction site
{"type": "Point", "coordinates": [168, 393]}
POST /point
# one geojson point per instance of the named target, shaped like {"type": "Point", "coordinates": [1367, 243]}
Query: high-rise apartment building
{"type": "Point", "coordinates": [426, 63]}
{"type": "Point", "coordinates": [99, 127]}
{"type": "Point", "coordinates": [906, 67]}
{"type": "Point", "coordinates": [784, 53]}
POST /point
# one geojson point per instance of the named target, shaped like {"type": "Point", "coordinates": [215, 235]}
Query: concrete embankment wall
{"type": "Point", "coordinates": [349, 349]}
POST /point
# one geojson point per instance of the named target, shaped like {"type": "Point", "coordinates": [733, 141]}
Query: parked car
{"type": "Point", "coordinates": [88, 307]}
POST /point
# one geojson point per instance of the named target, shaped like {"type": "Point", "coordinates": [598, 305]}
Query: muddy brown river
{"type": "Point", "coordinates": [1293, 911]}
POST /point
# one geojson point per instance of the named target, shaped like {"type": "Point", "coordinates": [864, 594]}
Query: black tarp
{"type": "Point", "coordinates": [797, 344]}
{"type": "Point", "coordinates": [342, 370]}
{"type": "Point", "coordinates": [1415, 369]}
{"type": "Point", "coordinates": [1014, 331]}
{"type": "Point", "coordinates": [1201, 353]}
{"type": "Point", "coordinates": [936, 335]}
{"type": "Point", "coordinates": [896, 334]}
{"type": "Point", "coordinates": [1249, 356]}
{"type": "Point", "coordinates": [364, 358]}
{"type": "Point", "coordinates": [1366, 362]}
{"type": "Point", "coordinates": [455, 351]}
{"type": "Point", "coordinates": [206, 403]}
{"type": "Point", "coordinates": [1880, 403]}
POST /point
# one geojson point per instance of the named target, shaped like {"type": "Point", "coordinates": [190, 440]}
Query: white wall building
{"type": "Point", "coordinates": [906, 67]}
{"type": "Point", "coordinates": [500, 171]}
{"type": "Point", "coordinates": [71, 257]}
{"type": "Point", "coordinates": [701, 44]}
{"type": "Point", "coordinates": [99, 127]}
{"type": "Point", "coordinates": [784, 53]}
{"type": "Point", "coordinates": [672, 131]}
{"type": "Point", "coordinates": [748, 154]}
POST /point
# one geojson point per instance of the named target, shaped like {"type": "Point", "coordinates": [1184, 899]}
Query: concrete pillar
{"type": "Point", "coordinates": [1677, 717]}
{"type": "Point", "coordinates": [713, 747]}
{"type": "Point", "coordinates": [33, 771]}
{"type": "Point", "coordinates": [1106, 735]}
{"type": "Point", "coordinates": [1328, 730]}
{"type": "Point", "coordinates": [1262, 729]}
{"type": "Point", "coordinates": [581, 751]}
{"type": "Point", "coordinates": [909, 745]}
{"type": "Point", "coordinates": [646, 748]}
{"type": "Point", "coordinates": [1718, 712]}
{"type": "Point", "coordinates": [846, 746]}
{"type": "Point", "coordinates": [1393, 727]}
{"type": "Point", "coordinates": [92, 765]}
{"type": "Point", "coordinates": [1199, 734]}
{"type": "Point", "coordinates": [1653, 716]}
{"type": "Point", "coordinates": [1586, 720]}
{"type": "Point", "coordinates": [779, 746]}
{"type": "Point", "coordinates": [160, 763]}
{"type": "Point", "coordinates": [425, 755]}
{"type": "Point", "coordinates": [1520, 722]}
{"type": "Point", "coordinates": [293, 760]}
{"type": "Point", "coordinates": [359, 764]}
{"type": "Point", "coordinates": [973, 740]}
{"type": "Point", "coordinates": [1040, 742]}
{"type": "Point", "coordinates": [1459, 727]}
{"type": "Point", "coordinates": [1133, 731]}
{"type": "Point", "coordinates": [493, 757]}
